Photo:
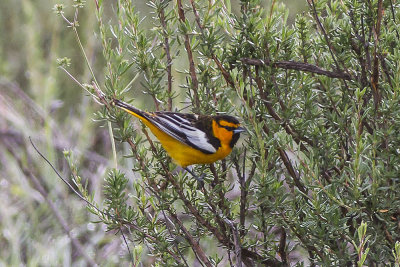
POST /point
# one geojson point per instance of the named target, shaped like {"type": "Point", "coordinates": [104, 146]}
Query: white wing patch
{"type": "Point", "coordinates": [183, 130]}
{"type": "Point", "coordinates": [199, 139]}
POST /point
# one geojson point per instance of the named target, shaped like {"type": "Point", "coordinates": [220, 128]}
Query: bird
{"type": "Point", "coordinates": [190, 138]}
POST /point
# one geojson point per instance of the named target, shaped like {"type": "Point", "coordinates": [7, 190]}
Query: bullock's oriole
{"type": "Point", "coordinates": [189, 138]}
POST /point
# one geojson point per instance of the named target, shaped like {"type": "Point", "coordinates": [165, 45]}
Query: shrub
{"type": "Point", "coordinates": [316, 179]}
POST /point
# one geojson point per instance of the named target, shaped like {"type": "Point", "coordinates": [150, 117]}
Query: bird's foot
{"type": "Point", "coordinates": [199, 179]}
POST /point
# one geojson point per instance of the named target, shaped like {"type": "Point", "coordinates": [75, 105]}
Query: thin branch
{"type": "Point", "coordinates": [310, 247]}
{"type": "Point", "coordinates": [294, 65]}
{"type": "Point", "coordinates": [312, 5]}
{"type": "Point", "coordinates": [126, 244]}
{"type": "Point", "coordinates": [321, 27]}
{"type": "Point", "coordinates": [161, 16]}
{"type": "Point", "coordinates": [285, 124]}
{"type": "Point", "coordinates": [214, 210]}
{"type": "Point", "coordinates": [394, 19]}
{"type": "Point", "coordinates": [192, 69]}
{"type": "Point", "coordinates": [62, 178]}
{"type": "Point", "coordinates": [286, 161]}
{"type": "Point", "coordinates": [358, 48]}
{"type": "Point", "coordinates": [229, 258]}
{"type": "Point", "coordinates": [95, 98]}
{"type": "Point", "coordinates": [37, 183]}
{"type": "Point", "coordinates": [282, 247]}
{"type": "Point", "coordinates": [291, 170]}
{"type": "Point", "coordinates": [236, 242]}
{"type": "Point", "coordinates": [102, 213]}
{"type": "Point", "coordinates": [74, 27]}
{"type": "Point", "coordinates": [375, 73]}
{"type": "Point", "coordinates": [251, 174]}
{"type": "Point", "coordinates": [244, 190]}
{"type": "Point", "coordinates": [197, 17]}
{"type": "Point", "coordinates": [224, 72]}
{"type": "Point", "coordinates": [193, 243]}
{"type": "Point", "coordinates": [112, 141]}
{"type": "Point", "coordinates": [221, 195]}
{"type": "Point", "coordinates": [385, 69]}
{"type": "Point", "coordinates": [155, 192]}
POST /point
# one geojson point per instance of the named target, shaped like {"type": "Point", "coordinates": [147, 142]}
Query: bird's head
{"type": "Point", "coordinates": [227, 129]}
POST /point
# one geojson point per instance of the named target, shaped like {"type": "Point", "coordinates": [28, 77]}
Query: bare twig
{"type": "Point", "coordinates": [244, 190]}
{"type": "Point", "coordinates": [197, 17]}
{"type": "Point", "coordinates": [73, 189]}
{"type": "Point", "coordinates": [214, 210]}
{"type": "Point", "coordinates": [74, 25]}
{"type": "Point", "coordinates": [286, 161]}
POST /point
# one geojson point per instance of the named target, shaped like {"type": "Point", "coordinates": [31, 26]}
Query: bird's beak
{"type": "Point", "coordinates": [239, 130]}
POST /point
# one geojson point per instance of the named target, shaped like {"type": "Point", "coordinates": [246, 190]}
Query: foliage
{"type": "Point", "coordinates": [319, 100]}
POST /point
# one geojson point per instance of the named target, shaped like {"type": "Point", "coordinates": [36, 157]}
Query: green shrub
{"type": "Point", "coordinates": [316, 179]}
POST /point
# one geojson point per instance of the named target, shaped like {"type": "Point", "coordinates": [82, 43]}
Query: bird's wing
{"type": "Point", "coordinates": [182, 127]}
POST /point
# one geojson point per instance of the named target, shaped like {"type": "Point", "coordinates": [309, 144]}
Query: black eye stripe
{"type": "Point", "coordinates": [229, 128]}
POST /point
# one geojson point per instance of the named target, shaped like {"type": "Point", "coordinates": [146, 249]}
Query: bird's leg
{"type": "Point", "coordinates": [200, 179]}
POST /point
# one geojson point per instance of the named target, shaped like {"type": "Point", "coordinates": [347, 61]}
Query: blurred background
{"type": "Point", "coordinates": [41, 221]}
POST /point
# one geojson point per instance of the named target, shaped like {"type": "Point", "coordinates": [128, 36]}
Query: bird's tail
{"type": "Point", "coordinates": [131, 109]}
